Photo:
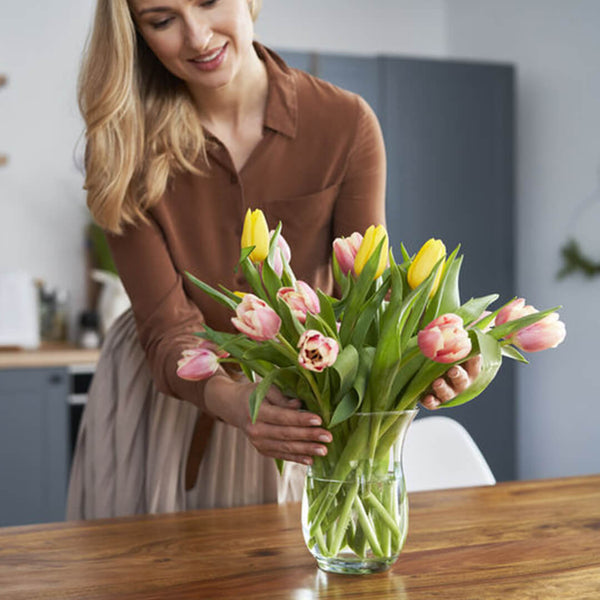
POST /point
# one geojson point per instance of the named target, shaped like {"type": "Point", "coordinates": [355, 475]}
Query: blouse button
{"type": "Point", "coordinates": [233, 178]}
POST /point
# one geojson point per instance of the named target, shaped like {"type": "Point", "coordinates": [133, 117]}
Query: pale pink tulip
{"type": "Point", "coordinates": [345, 249]}
{"type": "Point", "coordinates": [301, 300]}
{"type": "Point", "coordinates": [514, 310]}
{"type": "Point", "coordinates": [281, 252]}
{"type": "Point", "coordinates": [547, 333]}
{"type": "Point", "coordinates": [317, 352]}
{"type": "Point", "coordinates": [444, 340]}
{"type": "Point", "coordinates": [256, 319]}
{"type": "Point", "coordinates": [197, 364]}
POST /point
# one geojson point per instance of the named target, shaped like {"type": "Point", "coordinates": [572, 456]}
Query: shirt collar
{"type": "Point", "coordinates": [281, 112]}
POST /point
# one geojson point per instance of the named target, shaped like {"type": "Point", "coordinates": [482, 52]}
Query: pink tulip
{"type": "Point", "coordinates": [317, 352]}
{"type": "Point", "coordinates": [281, 252]}
{"type": "Point", "coordinates": [444, 340]}
{"type": "Point", "coordinates": [256, 319]}
{"type": "Point", "coordinates": [547, 333]}
{"type": "Point", "coordinates": [197, 364]}
{"type": "Point", "coordinates": [345, 249]}
{"type": "Point", "coordinates": [514, 310]}
{"type": "Point", "coordinates": [301, 300]}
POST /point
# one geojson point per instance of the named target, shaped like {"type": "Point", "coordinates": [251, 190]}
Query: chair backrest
{"type": "Point", "coordinates": [439, 453]}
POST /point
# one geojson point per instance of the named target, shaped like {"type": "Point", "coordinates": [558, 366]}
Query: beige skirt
{"type": "Point", "coordinates": [133, 444]}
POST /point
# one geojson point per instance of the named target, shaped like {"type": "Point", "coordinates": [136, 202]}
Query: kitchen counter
{"type": "Point", "coordinates": [47, 355]}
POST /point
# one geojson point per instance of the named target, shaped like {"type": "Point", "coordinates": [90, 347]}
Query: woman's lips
{"type": "Point", "coordinates": [210, 60]}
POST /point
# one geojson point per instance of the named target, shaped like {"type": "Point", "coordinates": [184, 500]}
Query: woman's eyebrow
{"type": "Point", "coordinates": [158, 9]}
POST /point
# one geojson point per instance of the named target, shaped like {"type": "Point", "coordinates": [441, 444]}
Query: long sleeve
{"type": "Point", "coordinates": [361, 198]}
{"type": "Point", "coordinates": [165, 316]}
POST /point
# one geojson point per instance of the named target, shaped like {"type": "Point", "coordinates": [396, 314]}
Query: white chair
{"type": "Point", "coordinates": [439, 453]}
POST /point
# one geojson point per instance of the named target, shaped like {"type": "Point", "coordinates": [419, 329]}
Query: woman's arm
{"type": "Point", "coordinates": [166, 320]}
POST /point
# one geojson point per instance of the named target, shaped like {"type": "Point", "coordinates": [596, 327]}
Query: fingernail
{"type": "Point", "coordinates": [325, 438]}
{"type": "Point", "coordinates": [307, 461]}
{"type": "Point", "coordinates": [321, 451]}
{"type": "Point", "coordinates": [453, 373]}
{"type": "Point", "coordinates": [438, 383]}
{"type": "Point", "coordinates": [315, 421]}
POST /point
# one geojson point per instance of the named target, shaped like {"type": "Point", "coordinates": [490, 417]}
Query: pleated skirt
{"type": "Point", "coordinates": [133, 443]}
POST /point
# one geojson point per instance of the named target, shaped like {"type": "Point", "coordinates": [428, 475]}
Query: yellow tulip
{"type": "Point", "coordinates": [369, 244]}
{"type": "Point", "coordinates": [256, 233]}
{"type": "Point", "coordinates": [431, 252]}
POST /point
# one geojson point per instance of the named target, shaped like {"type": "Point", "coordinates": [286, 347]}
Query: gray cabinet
{"type": "Point", "coordinates": [448, 129]}
{"type": "Point", "coordinates": [34, 445]}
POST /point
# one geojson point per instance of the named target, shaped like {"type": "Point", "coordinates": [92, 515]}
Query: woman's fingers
{"type": "Point", "coordinates": [282, 431]}
{"type": "Point", "coordinates": [456, 380]}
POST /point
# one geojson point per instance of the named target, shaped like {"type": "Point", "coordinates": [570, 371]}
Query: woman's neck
{"type": "Point", "coordinates": [243, 98]}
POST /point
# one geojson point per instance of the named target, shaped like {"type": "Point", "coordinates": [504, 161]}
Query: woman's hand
{"type": "Point", "coordinates": [280, 430]}
{"type": "Point", "coordinates": [456, 380]}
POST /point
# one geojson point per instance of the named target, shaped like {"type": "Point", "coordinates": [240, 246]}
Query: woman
{"type": "Point", "coordinates": [189, 123]}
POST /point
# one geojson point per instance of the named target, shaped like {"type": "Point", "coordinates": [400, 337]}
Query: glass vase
{"type": "Point", "coordinates": [355, 506]}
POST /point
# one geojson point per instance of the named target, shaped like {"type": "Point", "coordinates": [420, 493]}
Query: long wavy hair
{"type": "Point", "coordinates": [142, 125]}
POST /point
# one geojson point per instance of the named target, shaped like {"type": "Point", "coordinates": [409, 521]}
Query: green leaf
{"type": "Point", "coordinates": [449, 292]}
{"type": "Point", "coordinates": [271, 281]}
{"type": "Point", "coordinates": [291, 328]}
{"type": "Point", "coordinates": [260, 391]}
{"type": "Point", "coordinates": [253, 278]}
{"type": "Point", "coordinates": [367, 315]}
{"type": "Point", "coordinates": [358, 293]}
{"type": "Point", "coordinates": [245, 253]}
{"type": "Point", "coordinates": [346, 367]}
{"type": "Point", "coordinates": [511, 327]}
{"type": "Point", "coordinates": [346, 408]}
{"type": "Point", "coordinates": [512, 352]}
{"type": "Point", "coordinates": [448, 271]}
{"type": "Point", "coordinates": [212, 292]}
{"type": "Point", "coordinates": [266, 352]}
{"type": "Point", "coordinates": [473, 308]}
{"type": "Point", "coordinates": [280, 463]}
{"type": "Point", "coordinates": [491, 354]}
{"type": "Point", "coordinates": [230, 294]}
{"type": "Point", "coordinates": [327, 313]}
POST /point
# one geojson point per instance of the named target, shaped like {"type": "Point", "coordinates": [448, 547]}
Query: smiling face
{"type": "Point", "coordinates": [206, 43]}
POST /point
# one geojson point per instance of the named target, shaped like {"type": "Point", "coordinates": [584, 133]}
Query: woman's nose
{"type": "Point", "coordinates": [198, 34]}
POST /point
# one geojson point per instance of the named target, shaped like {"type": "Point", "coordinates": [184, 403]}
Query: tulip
{"type": "Point", "coordinates": [301, 300]}
{"type": "Point", "coordinates": [444, 340]}
{"type": "Point", "coordinates": [345, 249]}
{"type": "Point", "coordinates": [256, 233]}
{"type": "Point", "coordinates": [317, 352]}
{"type": "Point", "coordinates": [545, 334]}
{"type": "Point", "coordinates": [256, 319]}
{"type": "Point", "coordinates": [514, 310]}
{"type": "Point", "coordinates": [197, 364]}
{"type": "Point", "coordinates": [428, 256]}
{"type": "Point", "coordinates": [369, 244]}
{"type": "Point", "coordinates": [282, 252]}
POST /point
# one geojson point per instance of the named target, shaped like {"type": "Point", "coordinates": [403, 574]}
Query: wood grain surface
{"type": "Point", "coordinates": [537, 540]}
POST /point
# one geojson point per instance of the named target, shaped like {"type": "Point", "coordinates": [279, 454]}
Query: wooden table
{"type": "Point", "coordinates": [520, 540]}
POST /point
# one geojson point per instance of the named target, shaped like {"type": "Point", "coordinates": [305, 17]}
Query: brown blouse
{"type": "Point", "coordinates": [319, 169]}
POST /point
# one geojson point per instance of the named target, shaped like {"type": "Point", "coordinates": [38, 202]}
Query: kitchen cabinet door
{"type": "Point", "coordinates": [33, 445]}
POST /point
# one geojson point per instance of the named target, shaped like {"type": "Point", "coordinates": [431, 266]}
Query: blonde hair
{"type": "Point", "coordinates": [142, 125]}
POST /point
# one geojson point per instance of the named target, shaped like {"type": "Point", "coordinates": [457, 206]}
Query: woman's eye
{"type": "Point", "coordinates": [208, 2]}
{"type": "Point", "coordinates": [162, 23]}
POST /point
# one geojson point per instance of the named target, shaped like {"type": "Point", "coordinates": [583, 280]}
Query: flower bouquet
{"type": "Point", "coordinates": [362, 362]}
